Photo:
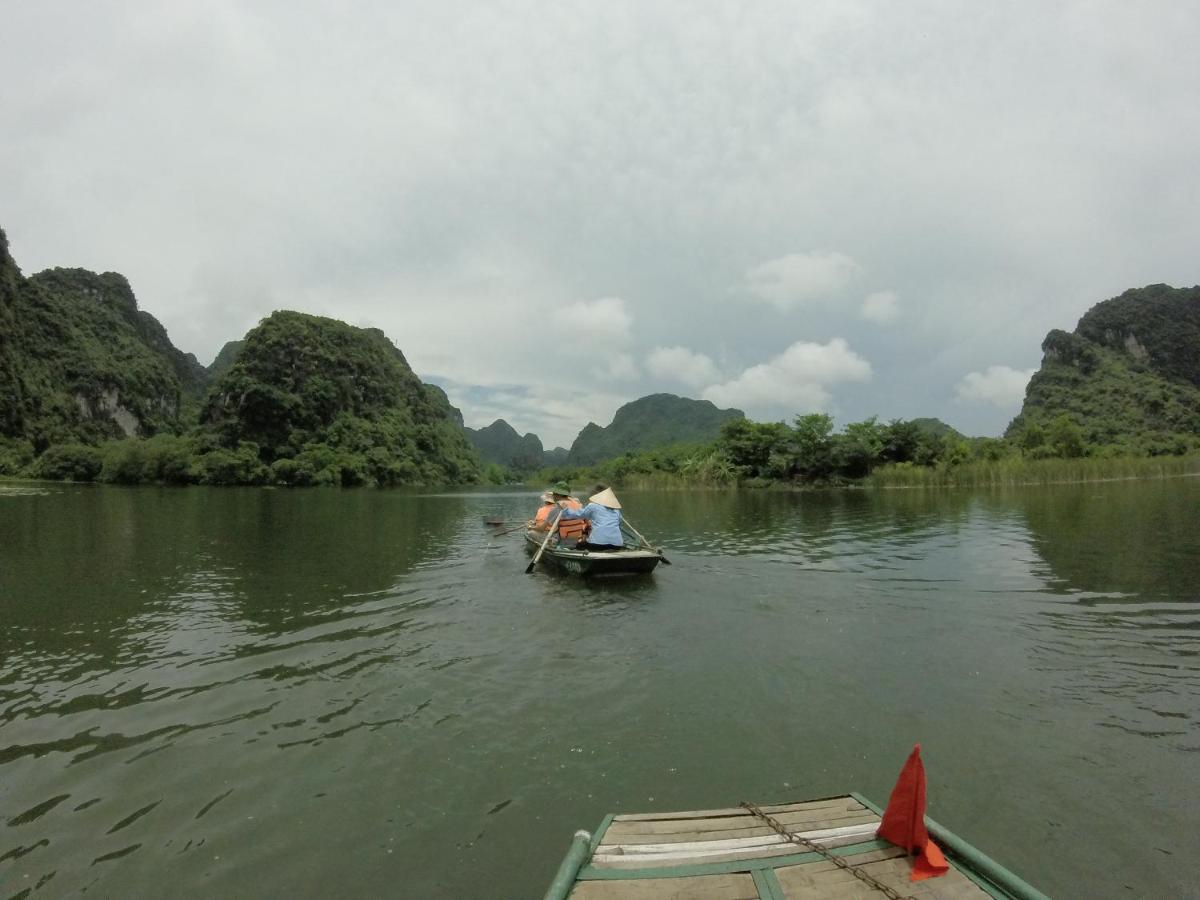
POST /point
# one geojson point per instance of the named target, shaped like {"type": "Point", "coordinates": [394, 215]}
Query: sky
{"type": "Point", "coordinates": [553, 208]}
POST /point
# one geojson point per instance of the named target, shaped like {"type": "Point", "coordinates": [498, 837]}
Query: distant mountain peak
{"type": "Point", "coordinates": [1128, 374]}
{"type": "Point", "coordinates": [501, 444]}
{"type": "Point", "coordinates": [655, 420]}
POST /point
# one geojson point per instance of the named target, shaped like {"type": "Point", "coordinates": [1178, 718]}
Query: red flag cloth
{"type": "Point", "coordinates": [904, 820]}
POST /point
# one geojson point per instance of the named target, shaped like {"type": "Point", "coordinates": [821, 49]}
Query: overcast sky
{"type": "Point", "coordinates": [556, 207]}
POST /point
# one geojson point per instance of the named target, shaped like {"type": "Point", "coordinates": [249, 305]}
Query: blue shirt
{"type": "Point", "coordinates": [606, 523]}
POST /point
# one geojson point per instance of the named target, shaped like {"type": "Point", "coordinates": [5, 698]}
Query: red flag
{"type": "Point", "coordinates": [904, 820]}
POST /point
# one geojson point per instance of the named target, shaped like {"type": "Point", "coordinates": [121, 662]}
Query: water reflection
{"type": "Point", "coordinates": [322, 691]}
{"type": "Point", "coordinates": [142, 625]}
{"type": "Point", "coordinates": [1125, 636]}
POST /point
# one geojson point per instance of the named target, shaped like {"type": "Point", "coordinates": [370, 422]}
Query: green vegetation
{"type": "Point", "coordinates": [1127, 379]}
{"type": "Point", "coordinates": [309, 401]}
{"type": "Point", "coordinates": [91, 388]}
{"type": "Point", "coordinates": [322, 402]}
{"type": "Point", "coordinates": [658, 420]}
{"type": "Point", "coordinates": [1016, 470]}
{"type": "Point", "coordinates": [500, 445]}
{"type": "Point", "coordinates": [808, 452]}
{"type": "Point", "coordinates": [225, 359]}
{"type": "Point", "coordinates": [79, 363]}
{"type": "Point", "coordinates": [897, 454]}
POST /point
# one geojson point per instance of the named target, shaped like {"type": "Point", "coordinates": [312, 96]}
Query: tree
{"type": "Point", "coordinates": [1065, 437]}
{"type": "Point", "coordinates": [901, 441]}
{"type": "Point", "coordinates": [860, 447]}
{"type": "Point", "coordinates": [70, 462]}
{"type": "Point", "coordinates": [1032, 437]}
{"type": "Point", "coordinates": [757, 449]}
{"type": "Point", "coordinates": [813, 440]}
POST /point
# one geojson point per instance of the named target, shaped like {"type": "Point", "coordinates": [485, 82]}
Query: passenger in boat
{"type": "Point", "coordinates": [542, 518]}
{"type": "Point", "coordinates": [562, 492]}
{"type": "Point", "coordinates": [570, 532]}
{"type": "Point", "coordinates": [604, 513]}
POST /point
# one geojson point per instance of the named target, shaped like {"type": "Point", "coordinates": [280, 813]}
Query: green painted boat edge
{"type": "Point", "coordinates": [632, 561]}
{"type": "Point", "coordinates": [978, 866]}
{"type": "Point", "coordinates": [591, 873]}
{"type": "Point", "coordinates": [564, 878]}
{"type": "Point", "coordinates": [600, 832]}
{"type": "Point", "coordinates": [766, 882]}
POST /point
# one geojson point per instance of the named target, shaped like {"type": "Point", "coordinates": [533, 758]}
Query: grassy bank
{"type": "Point", "coordinates": [1018, 470]}
{"type": "Point", "coordinates": [1006, 472]}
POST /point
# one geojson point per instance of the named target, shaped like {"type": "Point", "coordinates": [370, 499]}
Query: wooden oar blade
{"type": "Point", "coordinates": [542, 549]}
{"type": "Point", "coordinates": [645, 543]}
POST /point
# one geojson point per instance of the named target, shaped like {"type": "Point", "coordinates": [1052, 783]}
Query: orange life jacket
{"type": "Point", "coordinates": [572, 529]}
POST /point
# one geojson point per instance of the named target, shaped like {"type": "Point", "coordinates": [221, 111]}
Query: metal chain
{"type": "Point", "coordinates": [838, 861]}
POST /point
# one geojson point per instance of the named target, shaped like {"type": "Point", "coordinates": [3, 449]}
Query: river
{"type": "Point", "coordinates": [244, 692]}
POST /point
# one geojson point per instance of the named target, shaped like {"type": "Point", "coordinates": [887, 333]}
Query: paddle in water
{"type": "Point", "coordinates": [510, 530]}
{"type": "Point", "coordinates": [541, 549]}
{"type": "Point", "coordinates": [637, 534]}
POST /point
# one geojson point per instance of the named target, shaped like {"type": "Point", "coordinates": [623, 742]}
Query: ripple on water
{"type": "Point", "coordinates": [185, 677]}
{"type": "Point", "coordinates": [248, 727]}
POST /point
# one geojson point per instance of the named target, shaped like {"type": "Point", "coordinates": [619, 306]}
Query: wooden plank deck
{"type": "Point", "coordinates": [731, 854]}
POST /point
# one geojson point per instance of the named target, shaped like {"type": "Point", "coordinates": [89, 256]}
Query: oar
{"type": "Point", "coordinates": [541, 549]}
{"type": "Point", "coordinates": [637, 534]}
{"type": "Point", "coordinates": [510, 530]}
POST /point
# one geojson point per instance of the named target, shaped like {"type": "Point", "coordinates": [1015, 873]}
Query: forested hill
{"type": "Point", "coordinates": [1127, 376]}
{"type": "Point", "coordinates": [317, 395]}
{"type": "Point", "coordinates": [937, 428]}
{"type": "Point", "coordinates": [556, 457]}
{"type": "Point", "coordinates": [92, 387]}
{"type": "Point", "coordinates": [500, 443]}
{"type": "Point", "coordinates": [80, 362]}
{"type": "Point", "coordinates": [653, 421]}
{"type": "Point", "coordinates": [225, 358]}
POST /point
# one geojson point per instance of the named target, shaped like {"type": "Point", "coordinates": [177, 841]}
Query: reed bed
{"type": "Point", "coordinates": [1018, 471]}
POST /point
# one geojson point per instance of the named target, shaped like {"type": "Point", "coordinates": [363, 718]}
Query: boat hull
{"type": "Point", "coordinates": [594, 564]}
{"type": "Point", "coordinates": [731, 853]}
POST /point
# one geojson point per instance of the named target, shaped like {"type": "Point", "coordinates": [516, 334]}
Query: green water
{"type": "Point", "coordinates": [320, 693]}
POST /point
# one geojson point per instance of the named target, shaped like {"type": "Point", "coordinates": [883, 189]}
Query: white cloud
{"type": "Point", "coordinates": [796, 381]}
{"type": "Point", "coordinates": [797, 278]}
{"type": "Point", "coordinates": [618, 367]}
{"type": "Point", "coordinates": [605, 320]}
{"type": "Point", "coordinates": [880, 307]}
{"type": "Point", "coordinates": [1000, 386]}
{"type": "Point", "coordinates": [467, 169]}
{"type": "Point", "coordinates": [682, 365]}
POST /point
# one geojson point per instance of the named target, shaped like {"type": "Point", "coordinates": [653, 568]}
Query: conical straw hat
{"type": "Point", "coordinates": [606, 498]}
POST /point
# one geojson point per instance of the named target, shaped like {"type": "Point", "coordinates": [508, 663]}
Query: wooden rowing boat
{"type": "Point", "coordinates": [630, 561]}
{"type": "Point", "coordinates": [733, 854]}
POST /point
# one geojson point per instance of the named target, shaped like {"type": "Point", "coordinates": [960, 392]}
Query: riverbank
{"type": "Point", "coordinates": [1015, 471]}
{"type": "Point", "coordinates": [1007, 472]}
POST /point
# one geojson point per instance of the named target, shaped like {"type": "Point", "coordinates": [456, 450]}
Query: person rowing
{"type": "Point", "coordinates": [603, 511]}
{"type": "Point", "coordinates": [568, 531]}
{"type": "Point", "coordinates": [545, 515]}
